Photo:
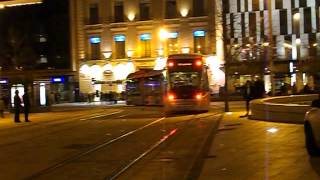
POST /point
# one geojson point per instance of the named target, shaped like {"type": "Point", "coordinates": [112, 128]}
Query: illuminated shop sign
{"type": "Point", "coordinates": [95, 40]}
{"type": "Point", "coordinates": [57, 79]}
{"type": "Point", "coordinates": [172, 35]}
{"type": "Point", "coordinates": [119, 38]}
{"type": "Point", "coordinates": [4, 81]}
{"type": "Point", "coordinates": [145, 37]}
{"type": "Point", "coordinates": [199, 33]}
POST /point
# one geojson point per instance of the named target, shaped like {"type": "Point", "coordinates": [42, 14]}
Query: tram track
{"type": "Point", "coordinates": [170, 133]}
{"type": "Point", "coordinates": [92, 149]}
{"type": "Point", "coordinates": [57, 127]}
{"type": "Point", "coordinates": [174, 133]}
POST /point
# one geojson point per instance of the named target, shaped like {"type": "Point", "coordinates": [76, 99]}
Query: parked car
{"type": "Point", "coordinates": [312, 129]}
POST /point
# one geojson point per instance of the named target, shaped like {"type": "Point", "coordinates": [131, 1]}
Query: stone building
{"type": "Point", "coordinates": [112, 38]}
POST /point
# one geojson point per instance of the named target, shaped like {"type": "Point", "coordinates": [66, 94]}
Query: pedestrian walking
{"type": "Point", "coordinates": [26, 102]}
{"type": "Point", "coordinates": [2, 107]}
{"type": "Point", "coordinates": [248, 91]}
{"type": "Point", "coordinates": [17, 106]}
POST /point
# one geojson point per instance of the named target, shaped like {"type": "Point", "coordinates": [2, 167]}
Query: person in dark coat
{"type": "Point", "coordinates": [17, 106]}
{"type": "Point", "coordinates": [259, 90]}
{"type": "Point", "coordinates": [26, 102]}
{"type": "Point", "coordinates": [248, 91]}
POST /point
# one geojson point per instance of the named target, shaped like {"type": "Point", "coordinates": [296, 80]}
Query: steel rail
{"type": "Point", "coordinates": [93, 149]}
{"type": "Point", "coordinates": [166, 137]}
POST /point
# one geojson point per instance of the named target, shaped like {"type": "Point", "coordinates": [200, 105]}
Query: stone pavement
{"type": "Point", "coordinates": [8, 121]}
{"type": "Point", "coordinates": [250, 149]}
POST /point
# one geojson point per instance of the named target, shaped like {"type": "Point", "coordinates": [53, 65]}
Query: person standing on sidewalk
{"type": "Point", "coordinates": [2, 107]}
{"type": "Point", "coordinates": [17, 106]}
{"type": "Point", "coordinates": [26, 102]}
{"type": "Point", "coordinates": [248, 92]}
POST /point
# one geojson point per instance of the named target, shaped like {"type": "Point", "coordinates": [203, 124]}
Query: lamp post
{"type": "Point", "coordinates": [270, 52]}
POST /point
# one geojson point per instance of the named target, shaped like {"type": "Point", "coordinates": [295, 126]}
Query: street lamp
{"type": "Point", "coordinates": [129, 54]}
{"type": "Point", "coordinates": [163, 34]}
{"type": "Point", "coordinates": [130, 65]}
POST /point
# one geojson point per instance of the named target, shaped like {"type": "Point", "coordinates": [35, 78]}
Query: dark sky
{"type": "Point", "coordinates": [50, 19]}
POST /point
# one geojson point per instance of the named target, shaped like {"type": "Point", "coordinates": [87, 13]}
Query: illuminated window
{"type": "Point", "coordinates": [95, 47]}
{"type": "Point", "coordinates": [255, 5]}
{"type": "Point", "coordinates": [172, 43]}
{"type": "Point", "coordinates": [199, 42]}
{"type": "Point", "coordinates": [145, 41]}
{"type": "Point", "coordinates": [296, 21]}
{"type": "Point", "coordinates": [120, 46]}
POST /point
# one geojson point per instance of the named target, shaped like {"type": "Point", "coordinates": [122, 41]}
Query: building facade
{"type": "Point", "coordinates": [112, 38]}
{"type": "Point", "coordinates": [294, 50]}
{"type": "Point", "coordinates": [35, 51]}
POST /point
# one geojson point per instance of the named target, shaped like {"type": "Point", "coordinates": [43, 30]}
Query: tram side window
{"type": "Point", "coordinates": [133, 87]}
{"type": "Point", "coordinates": [152, 85]}
{"type": "Point", "coordinates": [178, 79]}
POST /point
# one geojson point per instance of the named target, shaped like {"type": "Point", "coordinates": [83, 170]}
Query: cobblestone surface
{"type": "Point", "coordinates": [249, 149]}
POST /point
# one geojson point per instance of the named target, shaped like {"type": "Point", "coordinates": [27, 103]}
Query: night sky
{"type": "Point", "coordinates": [26, 24]}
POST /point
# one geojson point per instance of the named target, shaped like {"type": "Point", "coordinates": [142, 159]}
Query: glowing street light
{"type": "Point", "coordinates": [296, 16]}
{"type": "Point", "coordinates": [130, 53]}
{"type": "Point", "coordinates": [131, 16]}
{"type": "Point", "coordinates": [163, 34]}
{"type": "Point", "coordinates": [184, 12]}
{"type": "Point", "coordinates": [107, 54]}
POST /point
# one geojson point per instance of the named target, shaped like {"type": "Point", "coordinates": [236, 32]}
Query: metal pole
{"type": "Point", "coordinates": [226, 59]}
{"type": "Point", "coordinates": [271, 45]}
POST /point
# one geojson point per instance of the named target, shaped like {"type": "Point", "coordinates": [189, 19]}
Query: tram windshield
{"type": "Point", "coordinates": [183, 79]}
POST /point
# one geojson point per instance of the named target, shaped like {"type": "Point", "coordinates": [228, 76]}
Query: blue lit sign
{"type": "Point", "coordinates": [199, 33]}
{"type": "Point", "coordinates": [172, 35]}
{"type": "Point", "coordinates": [59, 79]}
{"type": "Point", "coordinates": [95, 40]}
{"type": "Point", "coordinates": [119, 38]}
{"type": "Point", "coordinates": [145, 37]}
{"type": "Point", "coordinates": [4, 81]}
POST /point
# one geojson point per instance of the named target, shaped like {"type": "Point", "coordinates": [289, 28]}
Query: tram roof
{"type": "Point", "coordinates": [144, 73]}
{"type": "Point", "coordinates": [184, 56]}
